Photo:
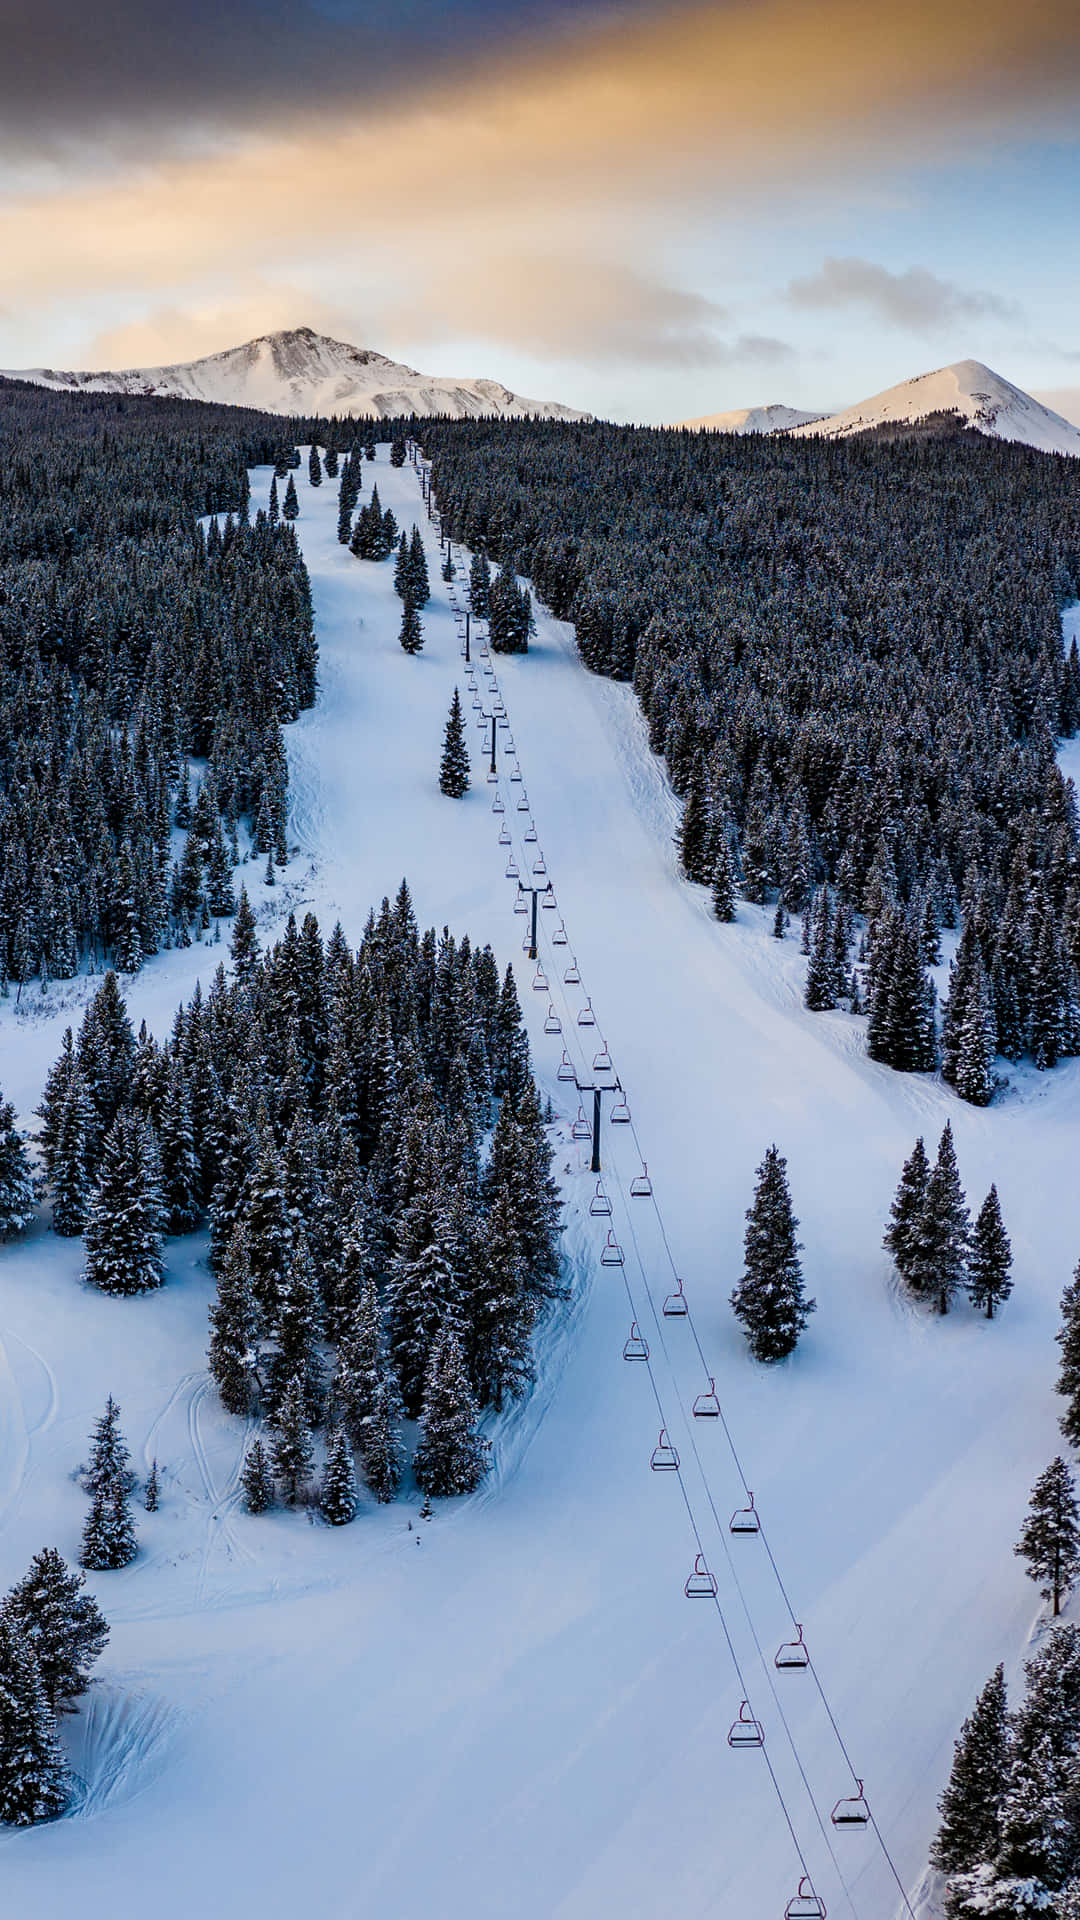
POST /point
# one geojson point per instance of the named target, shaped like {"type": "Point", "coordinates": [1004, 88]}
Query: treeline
{"type": "Point", "coordinates": [849, 654]}
{"type": "Point", "coordinates": [364, 1134]}
{"type": "Point", "coordinates": [133, 638]}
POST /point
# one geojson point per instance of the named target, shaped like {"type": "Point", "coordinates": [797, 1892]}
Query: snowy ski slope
{"type": "Point", "coordinates": [514, 1710]}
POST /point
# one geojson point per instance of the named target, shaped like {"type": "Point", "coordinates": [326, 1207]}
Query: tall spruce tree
{"type": "Point", "coordinates": [1068, 1339]}
{"type": "Point", "coordinates": [1050, 1536]}
{"type": "Point", "coordinates": [970, 1806]}
{"type": "Point", "coordinates": [63, 1625]}
{"type": "Point", "coordinates": [723, 881]}
{"type": "Point", "coordinates": [108, 1540]}
{"type": "Point", "coordinates": [18, 1196]}
{"type": "Point", "coordinates": [124, 1225]}
{"type": "Point", "coordinates": [292, 1451]}
{"type": "Point", "coordinates": [257, 1479]}
{"type": "Point", "coordinates": [937, 1264]}
{"type": "Point", "coordinates": [338, 1495]}
{"type": "Point", "coordinates": [109, 1456]}
{"type": "Point", "coordinates": [33, 1775]}
{"type": "Point", "coordinates": [900, 1234]}
{"type": "Point", "coordinates": [770, 1299]}
{"type": "Point", "coordinates": [454, 769]}
{"type": "Point", "coordinates": [989, 1258]}
{"type": "Point", "coordinates": [451, 1457]}
{"type": "Point", "coordinates": [411, 634]}
{"type": "Point", "coordinates": [234, 1338]}
{"type": "Point", "coordinates": [379, 1447]}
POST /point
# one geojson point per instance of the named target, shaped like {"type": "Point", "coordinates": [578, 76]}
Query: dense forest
{"type": "Point", "coordinates": [849, 654]}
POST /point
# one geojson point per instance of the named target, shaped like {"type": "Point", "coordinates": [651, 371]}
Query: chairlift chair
{"type": "Point", "coordinates": [558, 938]}
{"type": "Point", "coordinates": [599, 1204]}
{"type": "Point", "coordinates": [586, 1018]}
{"type": "Point", "coordinates": [539, 865]}
{"type": "Point", "coordinates": [641, 1185]}
{"type": "Point", "coordinates": [530, 833]}
{"type": "Point", "coordinates": [805, 1904]}
{"type": "Point", "coordinates": [516, 771]}
{"type": "Point", "coordinates": [707, 1406]}
{"type": "Point", "coordinates": [509, 744]}
{"type": "Point", "coordinates": [492, 776]}
{"type": "Point", "coordinates": [620, 1112]}
{"type": "Point", "coordinates": [547, 899]}
{"type": "Point", "coordinates": [611, 1254]}
{"type": "Point", "coordinates": [793, 1655]}
{"type": "Point", "coordinates": [852, 1811]}
{"type": "Point", "coordinates": [571, 975]}
{"type": "Point", "coordinates": [675, 1307]}
{"type": "Point", "coordinates": [701, 1584]}
{"type": "Point", "coordinates": [503, 722]}
{"type": "Point", "coordinates": [581, 1129]}
{"type": "Point", "coordinates": [746, 1731]}
{"type": "Point", "coordinates": [512, 869]}
{"type": "Point", "coordinates": [523, 800]}
{"type": "Point", "coordinates": [552, 1024]}
{"type": "Point", "coordinates": [636, 1348]}
{"type": "Point", "coordinates": [504, 835]}
{"type": "Point", "coordinates": [602, 1060]}
{"type": "Point", "coordinates": [540, 980]}
{"type": "Point", "coordinates": [566, 1068]}
{"type": "Point", "coordinates": [745, 1519]}
{"type": "Point", "coordinates": [664, 1457]}
{"type": "Point", "coordinates": [497, 807]}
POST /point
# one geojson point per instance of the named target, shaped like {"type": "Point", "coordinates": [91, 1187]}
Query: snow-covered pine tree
{"type": "Point", "coordinates": [971, 1803]}
{"type": "Point", "coordinates": [18, 1195]}
{"type": "Point", "coordinates": [723, 880]}
{"type": "Point", "coordinates": [937, 1264]}
{"type": "Point", "coordinates": [33, 1774]}
{"type": "Point", "coordinates": [451, 1457]}
{"type": "Point", "coordinates": [314, 468]}
{"type": "Point", "coordinates": [338, 1496]}
{"type": "Point", "coordinates": [1068, 1339]}
{"type": "Point", "coordinates": [695, 836]}
{"type": "Point", "coordinates": [379, 1447]}
{"type": "Point", "coordinates": [910, 1197]}
{"type": "Point", "coordinates": [180, 1173]}
{"type": "Point", "coordinates": [234, 1336]}
{"type": "Point", "coordinates": [243, 944]}
{"type": "Point", "coordinates": [257, 1479]}
{"type": "Point", "coordinates": [977, 1042]}
{"type": "Point", "coordinates": [480, 586]}
{"type": "Point", "coordinates": [989, 1258]}
{"type": "Point", "coordinates": [298, 1327]}
{"type": "Point", "coordinates": [109, 1456]}
{"type": "Point", "coordinates": [411, 634]}
{"type": "Point", "coordinates": [108, 1538]}
{"type": "Point", "coordinates": [62, 1623]}
{"type": "Point", "coordinates": [152, 1495]}
{"type": "Point", "coordinates": [770, 1299]}
{"type": "Point", "coordinates": [123, 1228]}
{"type": "Point", "coordinates": [1050, 1536]}
{"type": "Point", "coordinates": [292, 1451]}
{"type": "Point", "coordinates": [454, 769]}
{"type": "Point", "coordinates": [821, 983]}
{"type": "Point", "coordinates": [265, 1216]}
{"type": "Point", "coordinates": [500, 1313]}
{"type": "Point", "coordinates": [290, 506]}
{"type": "Point", "coordinates": [105, 1052]}
{"type": "Point", "coordinates": [420, 583]}
{"type": "Point", "coordinates": [421, 1290]}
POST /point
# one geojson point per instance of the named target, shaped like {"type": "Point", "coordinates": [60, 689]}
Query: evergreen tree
{"type": "Point", "coordinates": [63, 1625]}
{"type": "Point", "coordinates": [480, 586]}
{"type": "Point", "coordinates": [123, 1229]}
{"type": "Point", "coordinates": [977, 1044]}
{"type": "Point", "coordinates": [33, 1775]}
{"type": "Point", "coordinates": [770, 1299]}
{"type": "Point", "coordinates": [451, 1457]}
{"type": "Point", "coordinates": [108, 1538]}
{"type": "Point", "coordinates": [821, 983]}
{"type": "Point", "coordinates": [379, 1447]}
{"type": "Point", "coordinates": [298, 1329]}
{"type": "Point", "coordinates": [234, 1338]}
{"type": "Point", "coordinates": [257, 1479]}
{"type": "Point", "coordinates": [1068, 1339]}
{"type": "Point", "coordinates": [1050, 1536]}
{"type": "Point", "coordinates": [338, 1496]}
{"type": "Point", "coordinates": [418, 569]}
{"type": "Point", "coordinates": [265, 1215]}
{"type": "Point", "coordinates": [18, 1197]}
{"type": "Point", "coordinates": [723, 881]}
{"type": "Point", "coordinates": [695, 836]}
{"type": "Point", "coordinates": [314, 467]}
{"type": "Point", "coordinates": [989, 1258]}
{"type": "Point", "coordinates": [397, 450]}
{"type": "Point", "coordinates": [937, 1260]}
{"type": "Point", "coordinates": [454, 771]}
{"type": "Point", "coordinates": [243, 945]}
{"type": "Point", "coordinates": [110, 1457]}
{"type": "Point", "coordinates": [291, 505]}
{"type": "Point", "coordinates": [900, 1234]}
{"type": "Point", "coordinates": [970, 1806]}
{"type": "Point", "coordinates": [180, 1174]}
{"type": "Point", "coordinates": [292, 1451]}
{"type": "Point", "coordinates": [152, 1496]}
{"type": "Point", "coordinates": [411, 635]}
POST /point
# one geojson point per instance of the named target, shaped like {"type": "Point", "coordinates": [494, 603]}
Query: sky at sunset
{"type": "Point", "coordinates": [649, 210]}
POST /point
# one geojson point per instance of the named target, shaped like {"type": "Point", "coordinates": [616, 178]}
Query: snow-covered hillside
{"type": "Point", "coordinates": [300, 371]}
{"type": "Point", "coordinates": [513, 1710]}
{"type": "Point", "coordinates": [774, 418]}
{"type": "Point", "coordinates": [968, 389]}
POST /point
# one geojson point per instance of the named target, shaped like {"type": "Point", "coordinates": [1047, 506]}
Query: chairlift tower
{"type": "Point", "coordinates": [596, 1088]}
{"type": "Point", "coordinates": [535, 893]}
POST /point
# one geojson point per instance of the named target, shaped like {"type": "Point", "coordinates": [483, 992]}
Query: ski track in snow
{"type": "Point", "coordinates": [514, 1709]}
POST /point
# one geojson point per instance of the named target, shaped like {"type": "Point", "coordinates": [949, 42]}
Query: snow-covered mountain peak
{"type": "Point", "coordinates": [299, 371]}
{"type": "Point", "coordinates": [771, 418]}
{"type": "Point", "coordinates": [967, 389]}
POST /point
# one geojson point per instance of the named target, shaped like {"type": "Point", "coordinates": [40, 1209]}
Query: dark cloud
{"type": "Point", "coordinates": [916, 299]}
{"type": "Point", "coordinates": [168, 69]}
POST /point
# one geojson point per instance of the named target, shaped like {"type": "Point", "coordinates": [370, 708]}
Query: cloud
{"type": "Point", "coordinates": [916, 299]}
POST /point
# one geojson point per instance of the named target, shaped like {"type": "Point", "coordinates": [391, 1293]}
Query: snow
{"type": "Point", "coordinates": [981, 397]}
{"type": "Point", "coordinates": [774, 418]}
{"type": "Point", "coordinates": [300, 371]}
{"type": "Point", "coordinates": [513, 1708]}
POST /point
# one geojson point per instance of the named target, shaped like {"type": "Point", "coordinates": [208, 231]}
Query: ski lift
{"type": "Point", "coordinates": [602, 1060]}
{"type": "Point", "coordinates": [794, 1654]}
{"type": "Point", "coordinates": [485, 651]}
{"type": "Point", "coordinates": [586, 1018]}
{"type": "Point", "coordinates": [746, 1731]}
{"type": "Point", "coordinates": [701, 1584]}
{"type": "Point", "coordinates": [516, 771]}
{"type": "Point", "coordinates": [620, 1112]}
{"type": "Point", "coordinates": [509, 744]}
{"type": "Point", "coordinates": [641, 1185]}
{"type": "Point", "coordinates": [523, 800]}
{"type": "Point", "coordinates": [611, 1254]}
{"type": "Point", "coordinates": [530, 833]}
{"type": "Point", "coordinates": [503, 722]}
{"type": "Point", "coordinates": [744, 1519]}
{"type": "Point", "coordinates": [512, 869]}
{"type": "Point", "coordinates": [707, 1406]}
{"type": "Point", "coordinates": [540, 980]}
{"type": "Point", "coordinates": [492, 776]}
{"type": "Point", "coordinates": [566, 1068]}
{"type": "Point", "coordinates": [664, 1457]}
{"type": "Point", "coordinates": [552, 1024]}
{"type": "Point", "coordinates": [581, 1129]}
{"type": "Point", "coordinates": [497, 807]}
{"type": "Point", "coordinates": [675, 1307]}
{"type": "Point", "coordinates": [805, 1905]}
{"type": "Point", "coordinates": [558, 938]}
{"type": "Point", "coordinates": [547, 898]}
{"type": "Point", "coordinates": [539, 866]}
{"type": "Point", "coordinates": [852, 1812]}
{"type": "Point", "coordinates": [636, 1347]}
{"type": "Point", "coordinates": [600, 1204]}
{"type": "Point", "coordinates": [571, 975]}
{"type": "Point", "coordinates": [504, 835]}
